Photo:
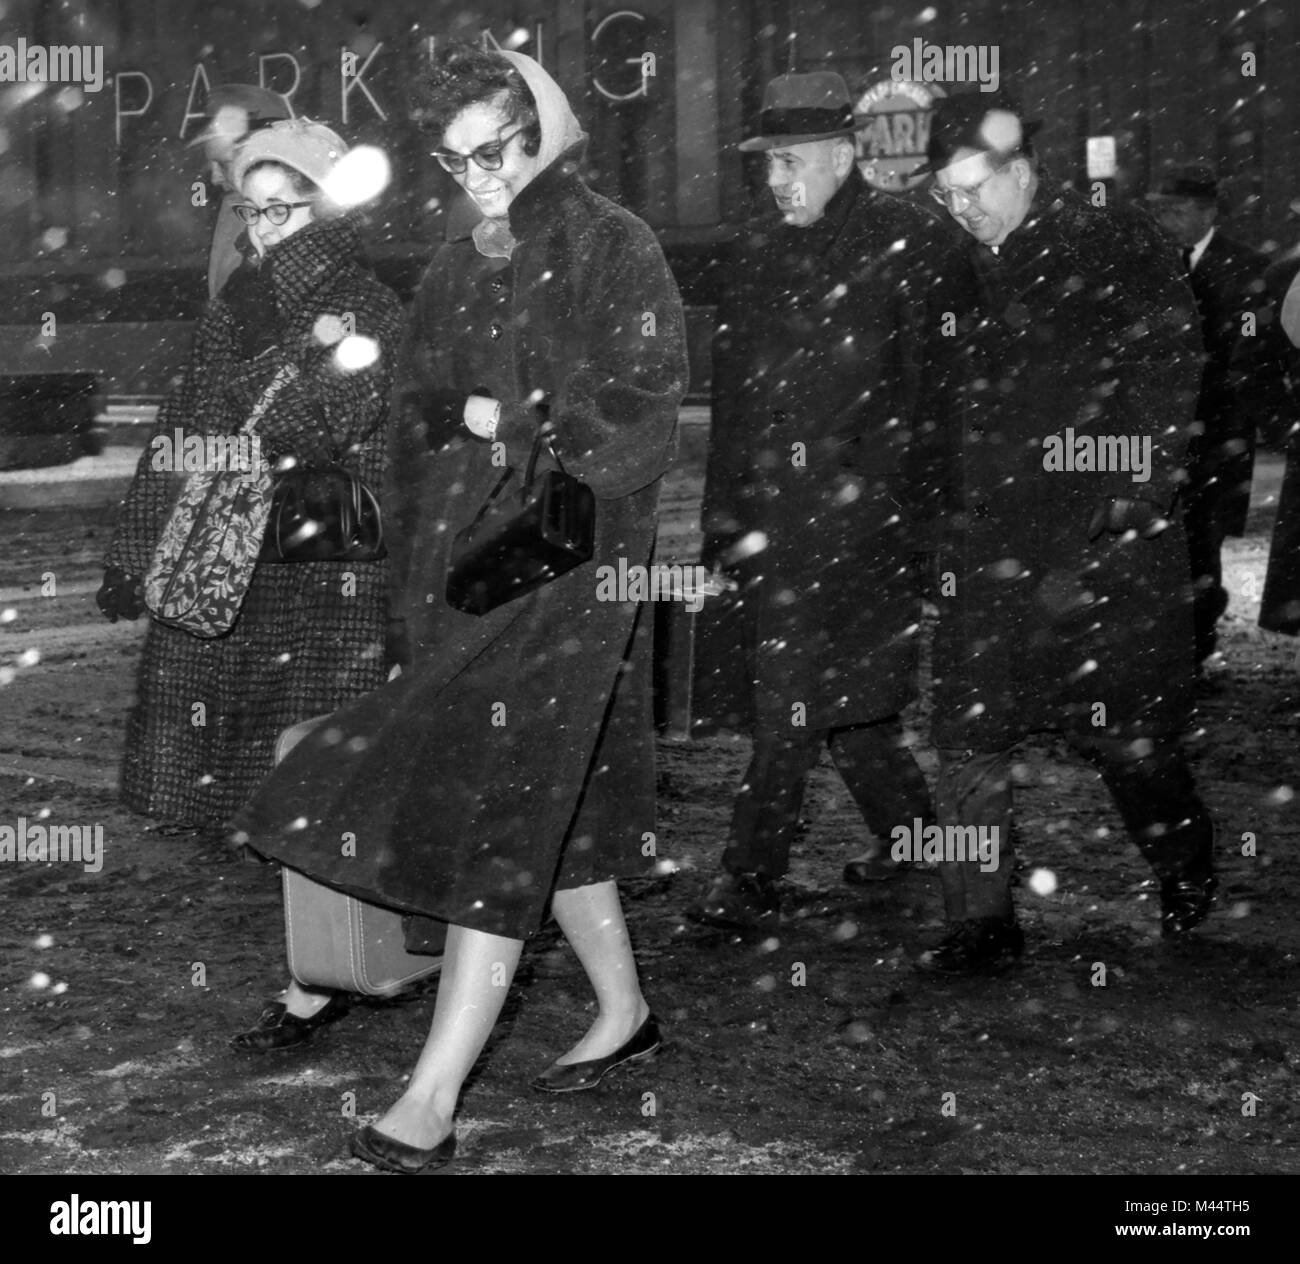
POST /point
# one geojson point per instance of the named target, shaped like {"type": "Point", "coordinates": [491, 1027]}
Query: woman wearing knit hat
{"type": "Point", "coordinates": [309, 635]}
{"type": "Point", "coordinates": [509, 771]}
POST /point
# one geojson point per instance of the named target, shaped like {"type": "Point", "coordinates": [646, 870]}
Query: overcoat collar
{"type": "Point", "coordinates": [308, 261]}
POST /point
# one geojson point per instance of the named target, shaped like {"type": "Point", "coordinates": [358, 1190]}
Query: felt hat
{"type": "Point", "coordinates": [802, 108]}
{"type": "Point", "coordinates": [989, 122]}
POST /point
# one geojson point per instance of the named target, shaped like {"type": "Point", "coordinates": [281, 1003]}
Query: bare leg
{"type": "Point", "coordinates": [591, 918]}
{"type": "Point", "coordinates": [477, 970]}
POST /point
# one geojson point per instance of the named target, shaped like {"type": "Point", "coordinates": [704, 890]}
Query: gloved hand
{"type": "Point", "coordinates": [443, 412]}
{"type": "Point", "coordinates": [1119, 514]}
{"type": "Point", "coordinates": [121, 595]}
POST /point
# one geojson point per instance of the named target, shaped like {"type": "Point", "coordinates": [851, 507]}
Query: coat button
{"type": "Point", "coordinates": [981, 510]}
{"type": "Point", "coordinates": [495, 330]}
{"type": "Point", "coordinates": [779, 416]}
{"type": "Point", "coordinates": [496, 284]}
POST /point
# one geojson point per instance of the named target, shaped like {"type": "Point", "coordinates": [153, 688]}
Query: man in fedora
{"type": "Point", "coordinates": [235, 111]}
{"type": "Point", "coordinates": [1228, 281]}
{"type": "Point", "coordinates": [1061, 380]}
{"type": "Point", "coordinates": [815, 378]}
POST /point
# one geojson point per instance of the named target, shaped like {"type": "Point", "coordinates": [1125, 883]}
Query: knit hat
{"type": "Point", "coordinates": [308, 148]}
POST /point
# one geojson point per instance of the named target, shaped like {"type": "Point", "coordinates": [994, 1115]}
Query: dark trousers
{"type": "Point", "coordinates": [879, 770]}
{"type": "Point", "coordinates": [1153, 791]}
{"type": "Point", "coordinates": [1204, 527]}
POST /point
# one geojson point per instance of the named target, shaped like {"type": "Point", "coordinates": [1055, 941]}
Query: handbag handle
{"type": "Point", "coordinates": [530, 474]}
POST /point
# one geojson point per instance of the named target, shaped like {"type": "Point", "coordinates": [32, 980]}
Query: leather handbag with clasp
{"type": "Point", "coordinates": [520, 541]}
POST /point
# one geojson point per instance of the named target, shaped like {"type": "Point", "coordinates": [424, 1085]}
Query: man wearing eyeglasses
{"type": "Point", "coordinates": [815, 379]}
{"type": "Point", "coordinates": [1061, 381]}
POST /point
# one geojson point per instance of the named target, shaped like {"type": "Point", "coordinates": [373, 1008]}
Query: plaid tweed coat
{"type": "Point", "coordinates": [310, 635]}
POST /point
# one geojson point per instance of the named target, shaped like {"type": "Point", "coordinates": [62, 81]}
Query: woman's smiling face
{"type": "Point", "coordinates": [485, 126]}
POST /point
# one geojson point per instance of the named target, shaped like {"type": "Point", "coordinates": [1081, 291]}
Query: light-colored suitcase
{"type": "Point", "coordinates": [337, 941]}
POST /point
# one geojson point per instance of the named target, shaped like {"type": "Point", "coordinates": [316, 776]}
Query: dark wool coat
{"type": "Point", "coordinates": [1280, 604]}
{"type": "Point", "coordinates": [815, 382]}
{"type": "Point", "coordinates": [1228, 284]}
{"type": "Point", "coordinates": [310, 635]}
{"type": "Point", "coordinates": [515, 753]}
{"type": "Point", "coordinates": [1083, 320]}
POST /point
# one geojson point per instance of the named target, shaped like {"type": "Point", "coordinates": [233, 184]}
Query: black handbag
{"type": "Point", "coordinates": [325, 514]}
{"type": "Point", "coordinates": [517, 544]}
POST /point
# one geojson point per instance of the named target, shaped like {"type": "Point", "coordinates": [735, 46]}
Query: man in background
{"type": "Point", "coordinates": [1227, 280]}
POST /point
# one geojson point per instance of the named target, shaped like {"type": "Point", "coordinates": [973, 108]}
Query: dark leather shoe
{"type": "Point", "coordinates": [278, 1029]}
{"type": "Point", "coordinates": [396, 1156]}
{"type": "Point", "coordinates": [745, 901]}
{"type": "Point", "coordinates": [981, 945]}
{"type": "Point", "coordinates": [866, 870]}
{"type": "Point", "coordinates": [573, 1077]}
{"type": "Point", "coordinates": [1184, 903]}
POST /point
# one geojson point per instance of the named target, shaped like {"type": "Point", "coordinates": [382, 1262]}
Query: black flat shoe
{"type": "Point", "coordinates": [396, 1156]}
{"type": "Point", "coordinates": [573, 1077]}
{"type": "Point", "coordinates": [980, 945]}
{"type": "Point", "coordinates": [739, 901]}
{"type": "Point", "coordinates": [1184, 903]}
{"type": "Point", "coordinates": [278, 1029]}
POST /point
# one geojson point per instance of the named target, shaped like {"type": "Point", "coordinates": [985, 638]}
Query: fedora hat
{"type": "Point", "coordinates": [236, 109]}
{"type": "Point", "coordinates": [988, 122]}
{"type": "Point", "coordinates": [1197, 181]}
{"type": "Point", "coordinates": [802, 108]}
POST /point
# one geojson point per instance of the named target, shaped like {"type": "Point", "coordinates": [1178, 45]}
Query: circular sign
{"type": "Point", "coordinates": [892, 143]}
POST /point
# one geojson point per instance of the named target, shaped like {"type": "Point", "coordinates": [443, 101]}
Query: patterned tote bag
{"type": "Point", "coordinates": [205, 559]}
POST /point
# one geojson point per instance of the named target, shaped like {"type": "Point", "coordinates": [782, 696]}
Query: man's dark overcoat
{"type": "Point", "coordinates": [1228, 284]}
{"type": "Point", "coordinates": [815, 377]}
{"type": "Point", "coordinates": [1081, 320]}
{"type": "Point", "coordinates": [516, 750]}
{"type": "Point", "coordinates": [1280, 603]}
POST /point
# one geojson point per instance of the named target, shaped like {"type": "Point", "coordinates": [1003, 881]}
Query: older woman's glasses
{"type": "Point", "coordinates": [277, 214]}
{"type": "Point", "coordinates": [955, 197]}
{"type": "Point", "coordinates": [486, 157]}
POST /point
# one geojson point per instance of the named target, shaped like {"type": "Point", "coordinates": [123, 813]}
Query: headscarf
{"type": "Point", "coordinates": [560, 131]}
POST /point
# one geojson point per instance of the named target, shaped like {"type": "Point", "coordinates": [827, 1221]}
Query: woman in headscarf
{"type": "Point", "coordinates": [309, 636]}
{"type": "Point", "coordinates": [510, 768]}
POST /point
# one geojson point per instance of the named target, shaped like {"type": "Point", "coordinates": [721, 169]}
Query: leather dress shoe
{"type": "Point", "coordinates": [573, 1077]}
{"type": "Point", "coordinates": [1185, 902]}
{"type": "Point", "coordinates": [278, 1029]}
{"type": "Point", "coordinates": [867, 870]}
{"type": "Point", "coordinates": [744, 901]}
{"type": "Point", "coordinates": [396, 1156]}
{"type": "Point", "coordinates": [979, 945]}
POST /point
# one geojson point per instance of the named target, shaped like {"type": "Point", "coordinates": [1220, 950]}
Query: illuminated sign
{"type": "Point", "coordinates": [895, 132]}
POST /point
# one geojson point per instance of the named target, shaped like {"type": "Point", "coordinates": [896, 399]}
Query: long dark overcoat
{"type": "Point", "coordinates": [309, 636]}
{"type": "Point", "coordinates": [1082, 321]}
{"type": "Point", "coordinates": [815, 381]}
{"type": "Point", "coordinates": [516, 752]}
{"type": "Point", "coordinates": [1280, 603]}
{"type": "Point", "coordinates": [1228, 284]}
